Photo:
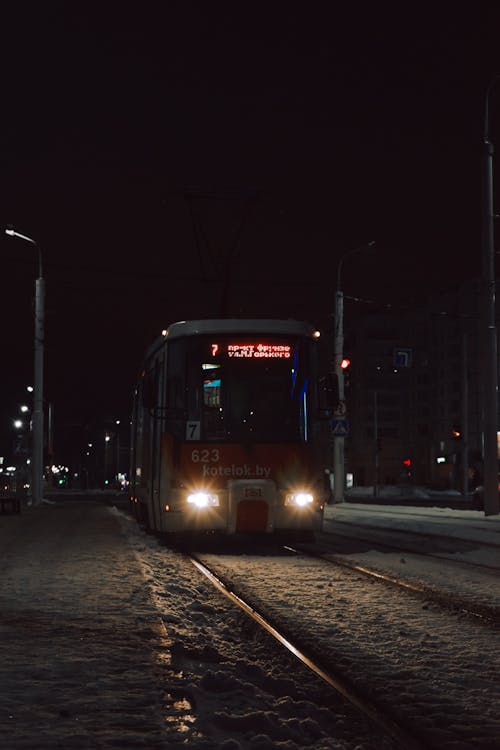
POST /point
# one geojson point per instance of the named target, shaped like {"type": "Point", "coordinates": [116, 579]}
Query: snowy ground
{"type": "Point", "coordinates": [109, 640]}
{"type": "Point", "coordinates": [410, 495]}
{"type": "Point", "coordinates": [476, 540]}
{"type": "Point", "coordinates": [441, 671]}
{"type": "Point", "coordinates": [407, 491]}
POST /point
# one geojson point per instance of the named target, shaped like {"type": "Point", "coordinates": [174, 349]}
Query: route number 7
{"type": "Point", "coordinates": [192, 430]}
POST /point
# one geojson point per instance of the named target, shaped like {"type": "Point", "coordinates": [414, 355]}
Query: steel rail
{"type": "Point", "coordinates": [368, 708]}
{"type": "Point", "coordinates": [477, 611]}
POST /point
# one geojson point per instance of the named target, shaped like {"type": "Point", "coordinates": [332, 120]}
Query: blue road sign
{"type": "Point", "coordinates": [340, 427]}
{"type": "Point", "coordinates": [402, 357]}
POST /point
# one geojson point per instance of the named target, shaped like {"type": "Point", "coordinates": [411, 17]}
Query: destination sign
{"type": "Point", "coordinates": [258, 350]}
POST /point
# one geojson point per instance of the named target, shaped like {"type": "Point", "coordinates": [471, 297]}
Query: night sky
{"type": "Point", "coordinates": [142, 146]}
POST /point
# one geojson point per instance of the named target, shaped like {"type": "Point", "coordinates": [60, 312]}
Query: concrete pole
{"type": "Point", "coordinates": [38, 429]}
{"type": "Point", "coordinates": [106, 441]}
{"type": "Point", "coordinates": [338, 355]}
{"type": "Point", "coordinates": [376, 482]}
{"type": "Point", "coordinates": [50, 443]}
{"type": "Point", "coordinates": [117, 422]}
{"type": "Point", "coordinates": [38, 442]}
{"type": "Point", "coordinates": [338, 440]}
{"type": "Point", "coordinates": [465, 417]}
{"type": "Point", "coordinates": [490, 426]}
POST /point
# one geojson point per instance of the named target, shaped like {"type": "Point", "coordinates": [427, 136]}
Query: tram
{"type": "Point", "coordinates": [228, 431]}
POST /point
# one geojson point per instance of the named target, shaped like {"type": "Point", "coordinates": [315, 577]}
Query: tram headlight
{"type": "Point", "coordinates": [201, 499]}
{"type": "Point", "coordinates": [299, 499]}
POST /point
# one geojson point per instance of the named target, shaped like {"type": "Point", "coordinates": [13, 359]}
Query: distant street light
{"type": "Point", "coordinates": [117, 423]}
{"type": "Point", "coordinates": [107, 438]}
{"type": "Point", "coordinates": [37, 475]}
{"type": "Point", "coordinates": [338, 357]}
{"type": "Point", "coordinates": [490, 403]}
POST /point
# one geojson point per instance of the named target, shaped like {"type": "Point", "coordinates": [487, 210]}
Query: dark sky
{"type": "Point", "coordinates": [141, 145]}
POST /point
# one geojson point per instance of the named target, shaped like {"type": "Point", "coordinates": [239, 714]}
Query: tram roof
{"type": "Point", "coordinates": [239, 325]}
{"type": "Point", "coordinates": [233, 325]}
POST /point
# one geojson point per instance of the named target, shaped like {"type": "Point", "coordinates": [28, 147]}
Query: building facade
{"type": "Point", "coordinates": [414, 393]}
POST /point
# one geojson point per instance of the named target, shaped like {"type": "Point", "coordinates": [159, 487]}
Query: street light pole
{"type": "Point", "coordinates": [338, 355]}
{"type": "Point", "coordinates": [117, 423]}
{"type": "Point", "coordinates": [490, 405]}
{"type": "Point", "coordinates": [107, 438]}
{"type": "Point", "coordinates": [37, 475]}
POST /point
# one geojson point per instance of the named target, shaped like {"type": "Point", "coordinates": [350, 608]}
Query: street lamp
{"type": "Point", "coordinates": [37, 475]}
{"type": "Point", "coordinates": [117, 423]}
{"type": "Point", "coordinates": [107, 438]}
{"type": "Point", "coordinates": [338, 356]}
{"type": "Point", "coordinates": [490, 405]}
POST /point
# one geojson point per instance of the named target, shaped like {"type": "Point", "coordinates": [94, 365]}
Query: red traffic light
{"type": "Point", "coordinates": [344, 363]}
{"type": "Point", "coordinates": [407, 461]}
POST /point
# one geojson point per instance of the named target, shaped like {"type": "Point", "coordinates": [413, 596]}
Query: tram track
{"type": "Point", "coordinates": [447, 543]}
{"type": "Point", "coordinates": [295, 596]}
{"type": "Point", "coordinates": [485, 613]}
{"type": "Point", "coordinates": [386, 721]}
{"type": "Point", "coordinates": [321, 549]}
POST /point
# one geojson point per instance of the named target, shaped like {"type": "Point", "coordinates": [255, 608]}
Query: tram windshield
{"type": "Point", "coordinates": [252, 389]}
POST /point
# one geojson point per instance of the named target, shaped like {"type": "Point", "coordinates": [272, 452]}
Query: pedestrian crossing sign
{"type": "Point", "coordinates": [340, 427]}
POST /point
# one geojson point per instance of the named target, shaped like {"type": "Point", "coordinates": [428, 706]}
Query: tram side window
{"type": "Point", "coordinates": [176, 386]}
{"type": "Point", "coordinates": [175, 396]}
{"type": "Point", "coordinates": [149, 389]}
{"type": "Point", "coordinates": [144, 429]}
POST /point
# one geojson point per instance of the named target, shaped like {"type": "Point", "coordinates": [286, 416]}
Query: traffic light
{"type": "Point", "coordinates": [407, 462]}
{"type": "Point", "coordinates": [456, 432]}
{"type": "Point", "coordinates": [329, 393]}
{"type": "Point", "coordinates": [345, 364]}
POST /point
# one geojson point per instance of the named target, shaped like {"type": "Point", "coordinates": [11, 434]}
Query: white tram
{"type": "Point", "coordinates": [227, 430]}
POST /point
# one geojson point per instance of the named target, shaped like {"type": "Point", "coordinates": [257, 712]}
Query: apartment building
{"type": "Point", "coordinates": [414, 392]}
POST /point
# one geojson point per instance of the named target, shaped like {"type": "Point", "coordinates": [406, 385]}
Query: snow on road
{"type": "Point", "coordinates": [108, 639]}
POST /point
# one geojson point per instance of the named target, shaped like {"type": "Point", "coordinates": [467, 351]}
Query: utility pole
{"type": "Point", "coordinates": [376, 482]}
{"type": "Point", "coordinates": [107, 438]}
{"type": "Point", "coordinates": [117, 423]}
{"type": "Point", "coordinates": [465, 417]}
{"type": "Point", "coordinates": [338, 355]}
{"type": "Point", "coordinates": [38, 429]}
{"type": "Point", "coordinates": [338, 440]}
{"type": "Point", "coordinates": [50, 443]}
{"type": "Point", "coordinates": [490, 403]}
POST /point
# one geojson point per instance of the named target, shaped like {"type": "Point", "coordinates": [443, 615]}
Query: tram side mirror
{"type": "Point", "coordinates": [328, 394]}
